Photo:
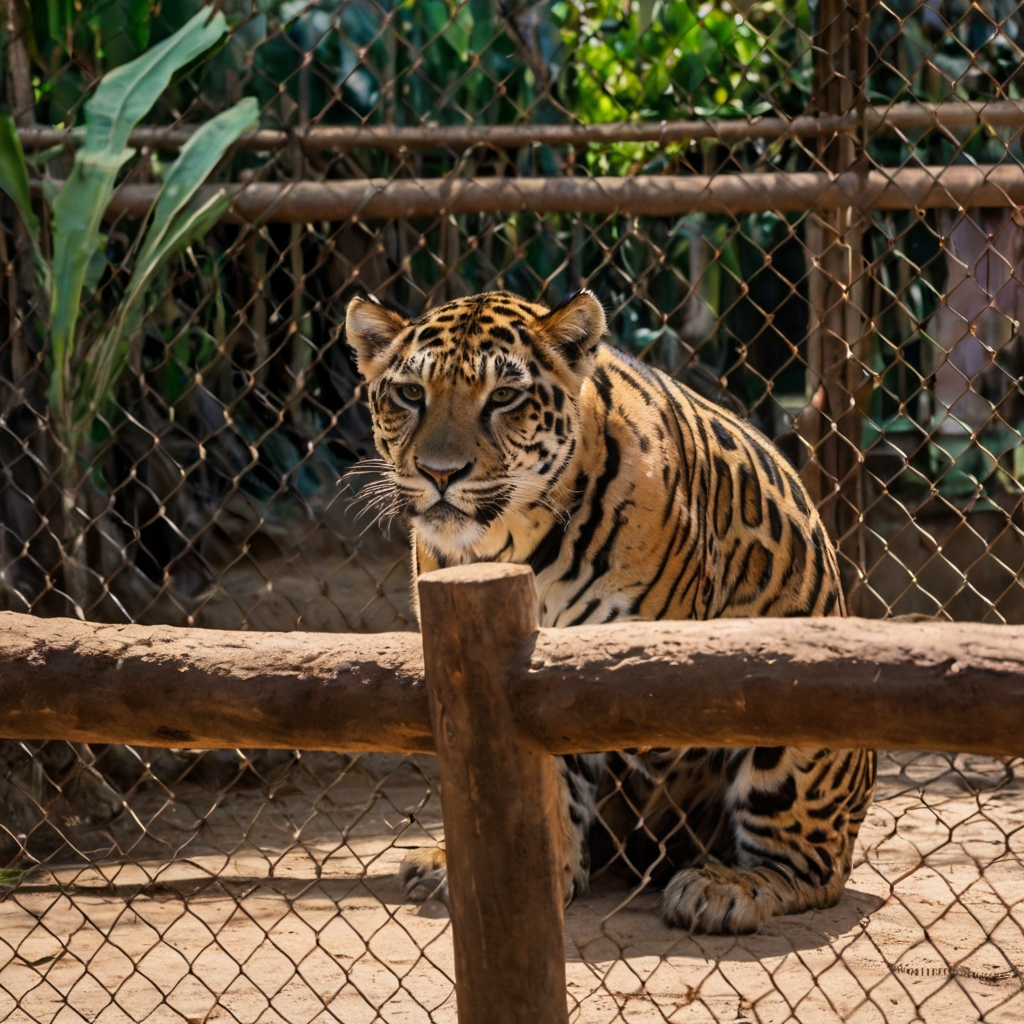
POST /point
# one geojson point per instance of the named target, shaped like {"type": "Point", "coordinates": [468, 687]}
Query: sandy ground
{"type": "Point", "coordinates": [280, 903]}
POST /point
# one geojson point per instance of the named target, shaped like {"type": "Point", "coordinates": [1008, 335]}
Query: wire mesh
{"type": "Point", "coordinates": [878, 343]}
{"type": "Point", "coordinates": [928, 929]}
{"type": "Point", "coordinates": [217, 884]}
{"type": "Point", "coordinates": [262, 886]}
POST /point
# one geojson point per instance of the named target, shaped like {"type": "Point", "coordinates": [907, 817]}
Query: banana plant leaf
{"type": "Point", "coordinates": [121, 100]}
{"type": "Point", "coordinates": [179, 217]}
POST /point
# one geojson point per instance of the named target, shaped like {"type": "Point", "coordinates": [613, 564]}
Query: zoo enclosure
{"type": "Point", "coordinates": [500, 697]}
{"type": "Point", "coordinates": [866, 320]}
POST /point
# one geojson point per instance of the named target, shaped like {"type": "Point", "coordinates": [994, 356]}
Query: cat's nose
{"type": "Point", "coordinates": [443, 475]}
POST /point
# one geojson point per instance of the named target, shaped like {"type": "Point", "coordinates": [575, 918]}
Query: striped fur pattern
{"type": "Point", "coordinates": [511, 433]}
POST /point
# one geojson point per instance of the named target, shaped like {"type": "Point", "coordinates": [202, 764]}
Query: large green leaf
{"type": "Point", "coordinates": [107, 358]}
{"type": "Point", "coordinates": [14, 171]}
{"type": "Point", "coordinates": [197, 159]}
{"type": "Point", "coordinates": [121, 100]}
{"type": "Point", "coordinates": [14, 181]}
{"type": "Point", "coordinates": [176, 222]}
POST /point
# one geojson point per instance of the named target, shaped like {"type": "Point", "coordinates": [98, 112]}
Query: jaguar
{"type": "Point", "coordinates": [511, 432]}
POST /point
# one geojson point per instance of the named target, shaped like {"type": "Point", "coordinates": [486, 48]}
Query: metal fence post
{"type": "Point", "coordinates": [836, 286]}
{"type": "Point", "coordinates": [500, 798]}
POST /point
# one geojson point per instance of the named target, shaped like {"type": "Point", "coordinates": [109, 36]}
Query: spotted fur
{"type": "Point", "coordinates": [510, 433]}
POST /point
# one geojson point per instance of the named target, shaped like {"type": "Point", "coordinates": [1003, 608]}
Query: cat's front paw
{"type": "Point", "coordinates": [718, 901]}
{"type": "Point", "coordinates": [424, 874]}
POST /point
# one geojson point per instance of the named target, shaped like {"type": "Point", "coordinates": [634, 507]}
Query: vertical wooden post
{"type": "Point", "coordinates": [837, 350]}
{"type": "Point", "coordinates": [499, 798]}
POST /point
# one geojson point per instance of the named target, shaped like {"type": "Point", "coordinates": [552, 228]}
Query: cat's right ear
{"type": "Point", "coordinates": [371, 330]}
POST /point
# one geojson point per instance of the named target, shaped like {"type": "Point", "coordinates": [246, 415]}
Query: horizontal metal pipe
{"type": "Point", "coordinates": [957, 187]}
{"type": "Point", "coordinates": [729, 682]}
{"type": "Point", "coordinates": [901, 116]}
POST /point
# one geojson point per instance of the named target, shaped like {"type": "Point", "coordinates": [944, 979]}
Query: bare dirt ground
{"type": "Point", "coordinates": [279, 903]}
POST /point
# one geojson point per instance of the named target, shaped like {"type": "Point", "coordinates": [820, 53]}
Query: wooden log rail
{"type": "Point", "coordinates": [825, 682]}
{"type": "Point", "coordinates": [494, 696]}
{"type": "Point", "coordinates": [949, 116]}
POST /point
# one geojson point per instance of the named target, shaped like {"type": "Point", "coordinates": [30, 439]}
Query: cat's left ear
{"type": "Point", "coordinates": [370, 329]}
{"type": "Point", "coordinates": [574, 329]}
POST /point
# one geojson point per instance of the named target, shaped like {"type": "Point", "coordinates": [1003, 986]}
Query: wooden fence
{"type": "Point", "coordinates": [494, 696]}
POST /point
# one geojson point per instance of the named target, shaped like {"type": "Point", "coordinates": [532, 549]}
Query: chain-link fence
{"type": "Point", "coordinates": [171, 885]}
{"type": "Point", "coordinates": [264, 887]}
{"type": "Point", "coordinates": [929, 928]}
{"type": "Point", "coordinates": [807, 212]}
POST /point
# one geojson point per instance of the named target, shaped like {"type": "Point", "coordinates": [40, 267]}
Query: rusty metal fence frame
{"type": "Point", "coordinates": [843, 198]}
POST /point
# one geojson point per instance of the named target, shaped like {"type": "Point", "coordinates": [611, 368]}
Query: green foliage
{"type": "Point", "coordinates": [120, 101]}
{"type": "Point", "coordinates": [673, 58]}
{"type": "Point", "coordinates": [14, 173]}
{"type": "Point", "coordinates": [85, 367]}
{"type": "Point", "coordinates": [397, 61]}
{"type": "Point", "coordinates": [707, 61]}
{"type": "Point", "coordinates": [177, 219]}
{"type": "Point", "coordinates": [95, 34]}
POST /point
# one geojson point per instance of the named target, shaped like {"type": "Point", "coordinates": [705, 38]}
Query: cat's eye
{"type": "Point", "coordinates": [411, 392]}
{"type": "Point", "coordinates": [502, 396]}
